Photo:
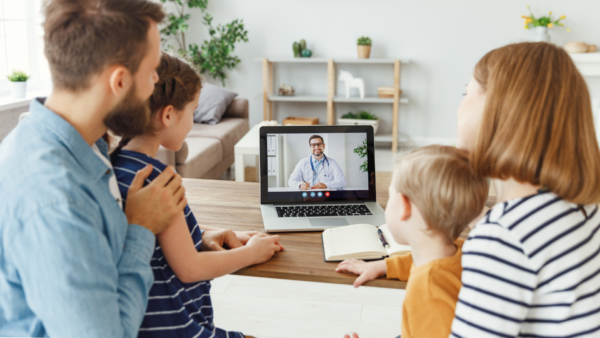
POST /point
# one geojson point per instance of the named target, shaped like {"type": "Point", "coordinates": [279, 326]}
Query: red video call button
{"type": "Point", "coordinates": [327, 194]}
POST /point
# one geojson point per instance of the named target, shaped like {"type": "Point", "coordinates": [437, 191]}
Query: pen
{"type": "Point", "coordinates": [383, 241]}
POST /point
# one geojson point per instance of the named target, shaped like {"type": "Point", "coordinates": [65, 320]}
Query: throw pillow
{"type": "Point", "coordinates": [212, 104]}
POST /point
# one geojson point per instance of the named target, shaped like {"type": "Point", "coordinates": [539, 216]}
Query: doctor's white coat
{"type": "Point", "coordinates": [331, 174]}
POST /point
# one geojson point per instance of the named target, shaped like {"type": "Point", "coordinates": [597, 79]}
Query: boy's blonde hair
{"type": "Point", "coordinates": [439, 181]}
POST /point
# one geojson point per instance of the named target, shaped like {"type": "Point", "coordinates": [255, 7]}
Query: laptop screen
{"type": "Point", "coordinates": [315, 164]}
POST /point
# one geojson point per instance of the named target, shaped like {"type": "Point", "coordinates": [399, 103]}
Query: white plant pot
{"type": "Point", "coordinates": [359, 122]}
{"type": "Point", "coordinates": [18, 89]}
{"type": "Point", "coordinates": [541, 34]}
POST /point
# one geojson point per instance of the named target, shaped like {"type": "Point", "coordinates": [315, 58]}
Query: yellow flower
{"type": "Point", "coordinates": [562, 17]}
{"type": "Point", "coordinates": [526, 27]}
{"type": "Point", "coordinates": [523, 16]}
{"type": "Point", "coordinates": [550, 13]}
{"type": "Point", "coordinates": [550, 25]}
{"type": "Point", "coordinates": [568, 29]}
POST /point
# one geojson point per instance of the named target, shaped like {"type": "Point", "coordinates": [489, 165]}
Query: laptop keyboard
{"type": "Point", "coordinates": [323, 210]}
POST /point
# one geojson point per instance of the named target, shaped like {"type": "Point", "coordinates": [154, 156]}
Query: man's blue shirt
{"type": "Point", "coordinates": [70, 265]}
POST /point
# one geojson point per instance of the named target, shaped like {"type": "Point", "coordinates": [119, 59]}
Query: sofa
{"type": "Point", "coordinates": [208, 149]}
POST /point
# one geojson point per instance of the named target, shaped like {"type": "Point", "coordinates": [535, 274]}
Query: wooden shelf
{"type": "Point", "coordinates": [587, 63]}
{"type": "Point", "coordinates": [298, 98]}
{"type": "Point", "coordinates": [287, 59]}
{"type": "Point", "coordinates": [338, 99]}
{"type": "Point", "coordinates": [330, 99]}
{"type": "Point", "coordinates": [341, 99]}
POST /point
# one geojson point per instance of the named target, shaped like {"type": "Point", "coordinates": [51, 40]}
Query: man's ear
{"type": "Point", "coordinates": [166, 115]}
{"type": "Point", "coordinates": [120, 80]}
{"type": "Point", "coordinates": [405, 207]}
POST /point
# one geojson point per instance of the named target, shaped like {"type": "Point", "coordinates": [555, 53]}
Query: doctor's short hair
{"type": "Point", "coordinates": [315, 136]}
{"type": "Point", "coordinates": [439, 181]}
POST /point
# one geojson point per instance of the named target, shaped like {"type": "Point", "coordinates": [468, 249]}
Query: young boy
{"type": "Point", "coordinates": [433, 197]}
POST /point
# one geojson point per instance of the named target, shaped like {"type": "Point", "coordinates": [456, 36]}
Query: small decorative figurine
{"type": "Point", "coordinates": [285, 90]}
{"type": "Point", "coordinates": [352, 82]}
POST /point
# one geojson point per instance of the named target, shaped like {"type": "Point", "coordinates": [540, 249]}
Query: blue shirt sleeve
{"type": "Point", "coordinates": [64, 258]}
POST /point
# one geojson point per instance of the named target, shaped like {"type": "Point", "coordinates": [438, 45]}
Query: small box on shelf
{"type": "Point", "coordinates": [300, 121]}
{"type": "Point", "coordinates": [387, 92]}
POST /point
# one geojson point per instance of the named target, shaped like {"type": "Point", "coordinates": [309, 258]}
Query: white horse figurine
{"type": "Point", "coordinates": [352, 82]}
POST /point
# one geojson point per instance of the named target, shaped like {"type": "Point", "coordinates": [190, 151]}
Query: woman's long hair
{"type": "Point", "coordinates": [537, 126]}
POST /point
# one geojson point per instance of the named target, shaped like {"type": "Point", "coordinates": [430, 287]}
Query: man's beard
{"type": "Point", "coordinates": [130, 117]}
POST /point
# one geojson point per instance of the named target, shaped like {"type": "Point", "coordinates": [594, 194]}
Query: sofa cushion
{"type": "Point", "coordinates": [212, 104]}
{"type": "Point", "coordinates": [238, 108]}
{"type": "Point", "coordinates": [229, 131]}
{"type": "Point", "coordinates": [203, 154]}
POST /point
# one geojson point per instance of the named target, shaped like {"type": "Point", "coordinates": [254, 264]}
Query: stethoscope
{"type": "Point", "coordinates": [313, 166]}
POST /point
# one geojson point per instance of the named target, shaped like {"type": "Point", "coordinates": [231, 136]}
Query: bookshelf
{"type": "Point", "coordinates": [330, 99]}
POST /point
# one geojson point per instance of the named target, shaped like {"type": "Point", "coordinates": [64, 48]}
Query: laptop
{"type": "Point", "coordinates": [314, 178]}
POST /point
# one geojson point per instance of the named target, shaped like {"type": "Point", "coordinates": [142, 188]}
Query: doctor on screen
{"type": "Point", "coordinates": [317, 171]}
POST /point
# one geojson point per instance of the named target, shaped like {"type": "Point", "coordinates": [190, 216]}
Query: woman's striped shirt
{"type": "Point", "coordinates": [175, 309]}
{"type": "Point", "coordinates": [531, 268]}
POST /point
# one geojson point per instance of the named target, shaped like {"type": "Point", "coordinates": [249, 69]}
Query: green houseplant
{"type": "Point", "coordinates": [360, 118]}
{"type": "Point", "coordinates": [361, 151]}
{"type": "Point", "coordinates": [215, 55]}
{"type": "Point", "coordinates": [364, 47]}
{"type": "Point", "coordinates": [18, 83]}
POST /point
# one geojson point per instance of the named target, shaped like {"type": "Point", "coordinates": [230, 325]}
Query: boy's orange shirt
{"type": "Point", "coordinates": [431, 293]}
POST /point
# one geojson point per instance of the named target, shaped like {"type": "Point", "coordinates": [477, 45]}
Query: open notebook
{"type": "Point", "coordinates": [360, 241]}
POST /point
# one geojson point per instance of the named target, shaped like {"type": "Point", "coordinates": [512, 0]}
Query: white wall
{"type": "Point", "coordinates": [443, 39]}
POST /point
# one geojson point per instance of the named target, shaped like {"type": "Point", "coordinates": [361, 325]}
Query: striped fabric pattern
{"type": "Point", "coordinates": [175, 309]}
{"type": "Point", "coordinates": [531, 268]}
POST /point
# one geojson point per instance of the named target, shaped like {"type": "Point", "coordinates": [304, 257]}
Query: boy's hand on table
{"type": "Point", "coordinates": [244, 236]}
{"type": "Point", "coordinates": [354, 335]}
{"type": "Point", "coordinates": [216, 239]}
{"type": "Point", "coordinates": [156, 205]}
{"type": "Point", "coordinates": [264, 247]}
{"type": "Point", "coordinates": [367, 270]}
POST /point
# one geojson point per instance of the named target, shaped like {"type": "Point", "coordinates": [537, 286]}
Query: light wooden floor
{"type": "Point", "coordinates": [271, 308]}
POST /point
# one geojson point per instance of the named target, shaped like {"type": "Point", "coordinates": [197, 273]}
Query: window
{"type": "Point", "coordinates": [22, 43]}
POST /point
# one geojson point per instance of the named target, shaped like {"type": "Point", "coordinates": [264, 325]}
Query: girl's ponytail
{"type": "Point", "coordinates": [122, 143]}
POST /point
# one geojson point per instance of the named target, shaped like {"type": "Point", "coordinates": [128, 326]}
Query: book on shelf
{"type": "Point", "coordinates": [360, 241]}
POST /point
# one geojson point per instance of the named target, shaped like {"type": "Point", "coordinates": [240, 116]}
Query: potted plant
{"type": "Point", "coordinates": [364, 47]}
{"type": "Point", "coordinates": [215, 55]}
{"type": "Point", "coordinates": [18, 83]}
{"type": "Point", "coordinates": [360, 118]}
{"type": "Point", "coordinates": [541, 25]}
{"type": "Point", "coordinates": [361, 151]}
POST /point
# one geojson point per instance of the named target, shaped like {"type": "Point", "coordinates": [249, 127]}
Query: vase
{"type": "Point", "coordinates": [541, 34]}
{"type": "Point", "coordinates": [364, 51]}
{"type": "Point", "coordinates": [18, 89]}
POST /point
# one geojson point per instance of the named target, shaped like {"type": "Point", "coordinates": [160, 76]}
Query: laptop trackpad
{"type": "Point", "coordinates": [328, 222]}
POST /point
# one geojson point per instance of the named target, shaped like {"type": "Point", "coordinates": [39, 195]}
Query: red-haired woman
{"type": "Point", "coordinates": [531, 266]}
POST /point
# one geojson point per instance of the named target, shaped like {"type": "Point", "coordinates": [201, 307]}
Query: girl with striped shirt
{"type": "Point", "coordinates": [531, 266]}
{"type": "Point", "coordinates": [179, 304]}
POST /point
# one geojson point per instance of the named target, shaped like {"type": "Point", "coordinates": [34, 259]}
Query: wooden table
{"type": "Point", "coordinates": [236, 206]}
